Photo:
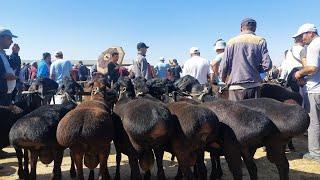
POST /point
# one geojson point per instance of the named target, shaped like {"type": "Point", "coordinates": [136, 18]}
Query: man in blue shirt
{"type": "Point", "coordinates": [161, 68]}
{"type": "Point", "coordinates": [43, 66]}
{"type": "Point", "coordinates": [60, 68]}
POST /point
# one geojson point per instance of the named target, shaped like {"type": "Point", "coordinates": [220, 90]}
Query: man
{"type": "Point", "coordinates": [60, 68]}
{"type": "Point", "coordinates": [175, 69]}
{"type": "Point", "coordinates": [140, 64]}
{"type": "Point", "coordinates": [196, 66]}
{"type": "Point", "coordinates": [44, 66]}
{"type": "Point", "coordinates": [113, 67]}
{"type": "Point", "coordinates": [292, 57]}
{"type": "Point", "coordinates": [83, 72]}
{"type": "Point", "coordinates": [24, 73]}
{"type": "Point", "coordinates": [219, 47]}
{"type": "Point", "coordinates": [9, 67]}
{"type": "Point", "coordinates": [161, 69]}
{"type": "Point", "coordinates": [312, 74]}
{"type": "Point", "coordinates": [246, 56]}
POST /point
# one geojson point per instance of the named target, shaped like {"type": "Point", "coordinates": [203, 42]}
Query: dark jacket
{"type": "Point", "coordinates": [15, 63]}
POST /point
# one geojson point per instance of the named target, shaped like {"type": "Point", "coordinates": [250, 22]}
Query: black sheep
{"type": "Point", "coordinates": [36, 132]}
{"type": "Point", "coordinates": [201, 127]}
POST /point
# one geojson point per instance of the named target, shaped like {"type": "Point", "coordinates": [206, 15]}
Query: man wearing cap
{"type": "Point", "coordinates": [113, 67]}
{"type": "Point", "coordinates": [197, 66]}
{"type": "Point", "coordinates": [246, 56]}
{"type": "Point", "coordinates": [162, 68]}
{"type": "Point", "coordinates": [311, 73]}
{"type": "Point", "coordinates": [292, 57]}
{"type": "Point", "coordinates": [44, 66]}
{"type": "Point", "coordinates": [9, 67]}
{"type": "Point", "coordinates": [140, 64]}
{"type": "Point", "coordinates": [219, 47]}
{"type": "Point", "coordinates": [60, 68]}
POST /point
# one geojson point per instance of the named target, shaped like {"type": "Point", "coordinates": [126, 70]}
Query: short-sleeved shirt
{"type": "Point", "coordinates": [43, 69]}
{"type": "Point", "coordinates": [218, 58]}
{"type": "Point", "coordinates": [198, 68]}
{"type": "Point", "coordinates": [60, 68]}
{"type": "Point", "coordinates": [313, 59]}
{"type": "Point", "coordinates": [162, 69]}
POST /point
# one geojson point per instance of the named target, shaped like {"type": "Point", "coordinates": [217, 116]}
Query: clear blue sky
{"type": "Point", "coordinates": [83, 29]}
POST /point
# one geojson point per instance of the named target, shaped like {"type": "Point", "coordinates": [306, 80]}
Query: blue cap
{"type": "Point", "coordinates": [141, 45]}
{"type": "Point", "coordinates": [6, 32]}
{"type": "Point", "coordinates": [248, 22]}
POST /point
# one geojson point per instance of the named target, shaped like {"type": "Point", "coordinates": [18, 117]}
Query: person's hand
{"type": "Point", "coordinates": [15, 48]}
{"type": "Point", "coordinates": [10, 77]}
{"type": "Point", "coordinates": [297, 75]}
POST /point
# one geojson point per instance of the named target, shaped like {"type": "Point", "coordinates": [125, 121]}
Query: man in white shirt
{"type": "Point", "coordinates": [197, 66]}
{"type": "Point", "coordinates": [7, 69]}
{"type": "Point", "coordinates": [292, 57]}
{"type": "Point", "coordinates": [219, 47]}
{"type": "Point", "coordinates": [311, 73]}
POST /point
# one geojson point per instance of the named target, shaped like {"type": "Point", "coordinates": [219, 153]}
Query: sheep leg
{"type": "Point", "coordinates": [179, 174]}
{"type": "Point", "coordinates": [107, 174]}
{"type": "Point", "coordinates": [26, 164]}
{"type": "Point", "coordinates": [91, 174]}
{"type": "Point", "coordinates": [78, 159]}
{"type": "Point", "coordinates": [73, 173]}
{"type": "Point", "coordinates": [58, 156]}
{"type": "Point", "coordinates": [33, 164]}
{"type": "Point", "coordinates": [247, 156]}
{"type": "Point", "coordinates": [159, 158]}
{"type": "Point", "coordinates": [232, 155]}
{"type": "Point", "coordinates": [134, 166]}
{"type": "Point", "coordinates": [147, 175]}
{"type": "Point", "coordinates": [19, 155]}
{"type": "Point", "coordinates": [201, 167]}
{"type": "Point", "coordinates": [215, 163]}
{"type": "Point", "coordinates": [276, 154]}
{"type": "Point", "coordinates": [290, 145]}
{"type": "Point", "coordinates": [103, 166]}
{"type": "Point", "coordinates": [118, 160]}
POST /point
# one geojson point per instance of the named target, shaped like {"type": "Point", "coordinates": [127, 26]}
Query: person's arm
{"type": "Point", "coordinates": [312, 63]}
{"type": "Point", "coordinates": [226, 63]}
{"type": "Point", "coordinates": [266, 62]}
{"type": "Point", "coordinates": [52, 72]}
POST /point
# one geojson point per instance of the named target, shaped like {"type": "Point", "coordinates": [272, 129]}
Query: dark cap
{"type": "Point", "coordinates": [248, 22]}
{"type": "Point", "coordinates": [141, 45]}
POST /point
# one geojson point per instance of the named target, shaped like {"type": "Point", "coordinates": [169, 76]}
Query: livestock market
{"type": "Point", "coordinates": [141, 109]}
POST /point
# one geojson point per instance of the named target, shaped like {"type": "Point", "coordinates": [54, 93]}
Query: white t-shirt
{"type": "Point", "coordinates": [198, 68]}
{"type": "Point", "coordinates": [313, 59]}
{"type": "Point", "coordinates": [291, 60]}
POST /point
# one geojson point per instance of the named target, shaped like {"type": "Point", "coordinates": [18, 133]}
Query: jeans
{"type": "Point", "coordinates": [5, 99]}
{"type": "Point", "coordinates": [241, 94]}
{"type": "Point", "coordinates": [313, 107]}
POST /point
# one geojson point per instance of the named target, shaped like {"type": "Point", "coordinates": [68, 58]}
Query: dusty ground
{"type": "Point", "coordinates": [299, 168]}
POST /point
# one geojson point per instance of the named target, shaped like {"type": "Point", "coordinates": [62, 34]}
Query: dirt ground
{"type": "Point", "coordinates": [299, 168]}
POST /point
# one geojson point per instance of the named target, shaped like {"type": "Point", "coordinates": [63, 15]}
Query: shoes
{"type": "Point", "coordinates": [308, 156]}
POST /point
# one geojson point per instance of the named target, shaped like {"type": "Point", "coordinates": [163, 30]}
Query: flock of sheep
{"type": "Point", "coordinates": [144, 119]}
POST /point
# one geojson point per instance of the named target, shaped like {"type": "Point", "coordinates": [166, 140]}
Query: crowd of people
{"type": "Point", "coordinates": [238, 65]}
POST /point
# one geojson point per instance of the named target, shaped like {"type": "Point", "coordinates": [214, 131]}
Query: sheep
{"type": "Point", "coordinates": [200, 125]}
{"type": "Point", "coordinates": [36, 132]}
{"type": "Point", "coordinates": [88, 130]}
{"type": "Point", "coordinates": [293, 122]}
{"type": "Point", "coordinates": [152, 129]}
{"type": "Point", "coordinates": [253, 129]}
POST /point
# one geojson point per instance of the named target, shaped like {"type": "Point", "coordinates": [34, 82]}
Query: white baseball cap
{"type": "Point", "coordinates": [194, 50]}
{"type": "Point", "coordinates": [220, 45]}
{"type": "Point", "coordinates": [161, 58]}
{"type": "Point", "coordinates": [305, 28]}
{"type": "Point", "coordinates": [6, 32]}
